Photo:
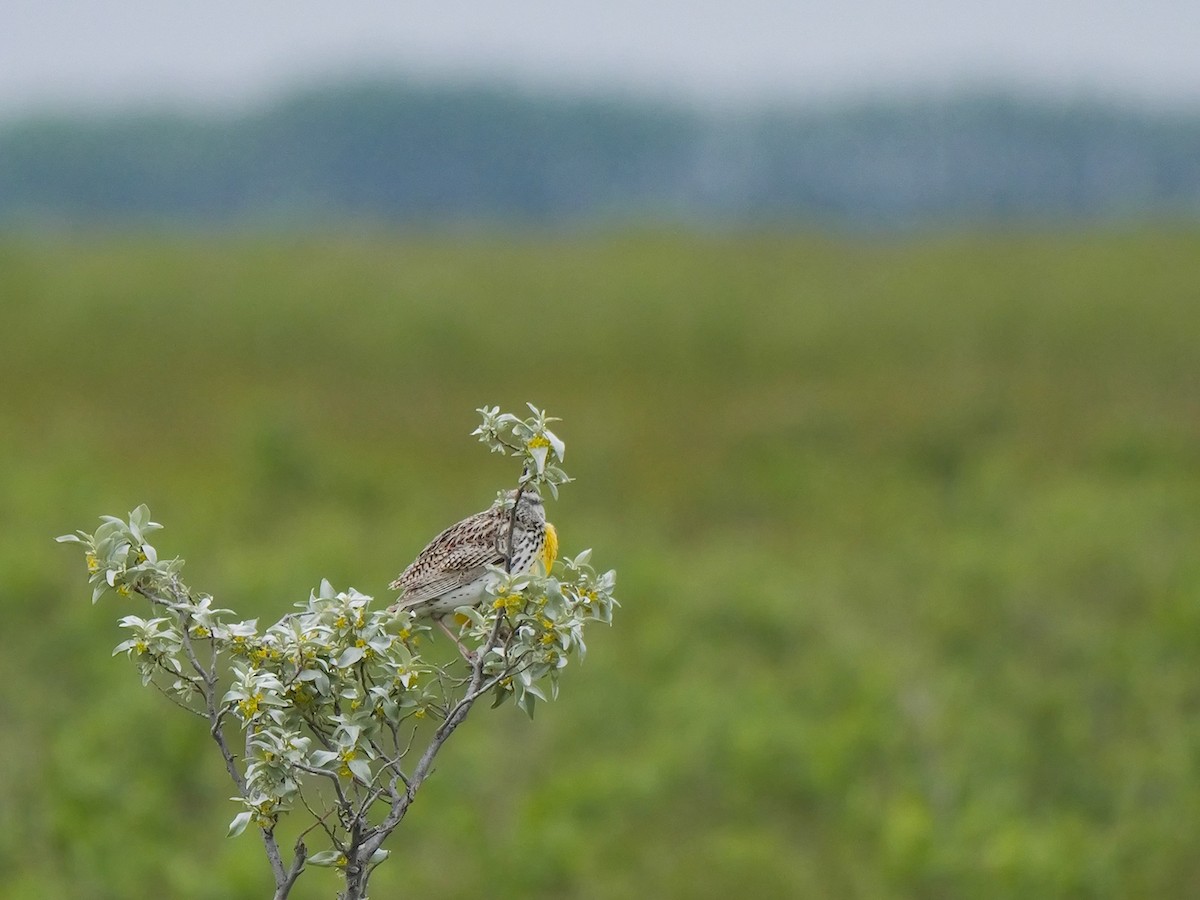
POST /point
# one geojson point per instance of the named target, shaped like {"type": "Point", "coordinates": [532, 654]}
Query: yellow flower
{"type": "Point", "coordinates": [249, 706]}
{"type": "Point", "coordinates": [420, 712]}
{"type": "Point", "coordinates": [509, 602]}
{"type": "Point", "coordinates": [537, 441]}
{"type": "Point", "coordinates": [93, 564]}
{"type": "Point", "coordinates": [123, 590]}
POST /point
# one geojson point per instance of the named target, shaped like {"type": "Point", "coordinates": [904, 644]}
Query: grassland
{"type": "Point", "coordinates": [907, 536]}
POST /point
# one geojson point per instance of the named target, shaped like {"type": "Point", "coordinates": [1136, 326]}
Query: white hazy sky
{"type": "Point", "coordinates": [88, 52]}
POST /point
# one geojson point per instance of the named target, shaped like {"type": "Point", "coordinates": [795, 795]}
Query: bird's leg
{"type": "Point", "coordinates": [468, 655]}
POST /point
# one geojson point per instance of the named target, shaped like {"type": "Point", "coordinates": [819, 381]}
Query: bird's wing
{"type": "Point", "coordinates": [418, 594]}
{"type": "Point", "coordinates": [455, 557]}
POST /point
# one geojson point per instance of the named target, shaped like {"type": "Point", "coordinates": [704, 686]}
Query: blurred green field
{"type": "Point", "coordinates": [906, 533]}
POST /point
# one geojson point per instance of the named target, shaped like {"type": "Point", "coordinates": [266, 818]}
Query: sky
{"type": "Point", "coordinates": [99, 53]}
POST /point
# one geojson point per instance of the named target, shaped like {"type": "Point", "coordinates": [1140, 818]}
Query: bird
{"type": "Point", "coordinates": [452, 569]}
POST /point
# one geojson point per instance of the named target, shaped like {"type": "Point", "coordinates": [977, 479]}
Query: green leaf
{"type": "Point", "coordinates": [322, 758]}
{"type": "Point", "coordinates": [350, 656]}
{"type": "Point", "coordinates": [527, 703]}
{"type": "Point", "coordinates": [325, 858]}
{"type": "Point", "coordinates": [319, 679]}
{"type": "Point", "coordinates": [501, 694]}
{"type": "Point", "coordinates": [239, 823]}
{"type": "Point", "coordinates": [469, 612]}
{"type": "Point", "coordinates": [140, 516]}
{"type": "Point", "coordinates": [560, 448]}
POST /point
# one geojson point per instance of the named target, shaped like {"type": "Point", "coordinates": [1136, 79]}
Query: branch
{"type": "Point", "coordinates": [512, 524]}
{"type": "Point", "coordinates": [300, 854]}
{"type": "Point", "coordinates": [513, 447]}
{"type": "Point", "coordinates": [374, 837]}
{"type": "Point", "coordinates": [276, 860]}
{"type": "Point", "coordinates": [401, 802]}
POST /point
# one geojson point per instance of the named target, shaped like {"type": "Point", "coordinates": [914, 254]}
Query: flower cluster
{"type": "Point", "coordinates": [529, 440]}
{"type": "Point", "coordinates": [542, 617]}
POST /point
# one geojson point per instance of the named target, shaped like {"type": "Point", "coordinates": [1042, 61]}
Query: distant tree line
{"type": "Point", "coordinates": [427, 154]}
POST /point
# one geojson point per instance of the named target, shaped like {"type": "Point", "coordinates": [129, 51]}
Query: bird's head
{"type": "Point", "coordinates": [531, 513]}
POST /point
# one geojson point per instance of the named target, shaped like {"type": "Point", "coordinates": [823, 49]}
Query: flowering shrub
{"type": "Point", "coordinates": [335, 713]}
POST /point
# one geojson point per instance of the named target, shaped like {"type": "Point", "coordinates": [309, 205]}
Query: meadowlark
{"type": "Point", "coordinates": [452, 570]}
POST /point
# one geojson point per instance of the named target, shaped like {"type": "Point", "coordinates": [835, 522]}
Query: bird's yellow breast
{"type": "Point", "coordinates": [550, 547]}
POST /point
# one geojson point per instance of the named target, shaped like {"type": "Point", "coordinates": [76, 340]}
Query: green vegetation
{"type": "Point", "coordinates": [907, 535]}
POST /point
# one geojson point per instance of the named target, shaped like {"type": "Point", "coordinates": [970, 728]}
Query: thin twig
{"type": "Point", "coordinates": [162, 690]}
{"type": "Point", "coordinates": [320, 820]}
